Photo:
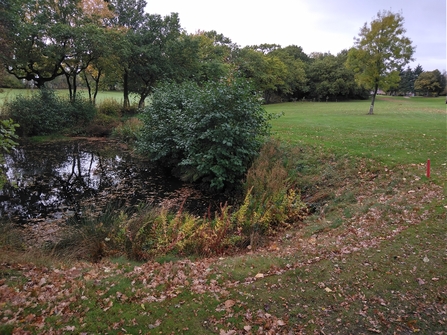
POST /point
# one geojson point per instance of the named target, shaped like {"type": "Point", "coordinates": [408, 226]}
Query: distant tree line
{"type": "Point", "coordinates": [114, 44]}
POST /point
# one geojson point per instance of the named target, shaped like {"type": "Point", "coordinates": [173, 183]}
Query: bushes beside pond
{"type": "Point", "coordinates": [209, 133]}
{"type": "Point", "coordinates": [45, 113]}
{"type": "Point", "coordinates": [272, 201]}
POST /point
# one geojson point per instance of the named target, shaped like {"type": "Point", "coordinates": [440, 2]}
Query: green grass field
{"type": "Point", "coordinates": [402, 131]}
{"type": "Point", "coordinates": [372, 260]}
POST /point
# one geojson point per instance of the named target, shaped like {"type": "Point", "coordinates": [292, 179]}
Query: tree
{"type": "Point", "coordinates": [267, 71]}
{"type": "Point", "coordinates": [215, 55]}
{"type": "Point", "coordinates": [128, 16]}
{"type": "Point", "coordinates": [329, 78]}
{"type": "Point", "coordinates": [149, 60]}
{"type": "Point", "coordinates": [380, 52]}
{"type": "Point", "coordinates": [88, 44]}
{"type": "Point", "coordinates": [295, 82]}
{"type": "Point", "coordinates": [430, 82]}
{"type": "Point", "coordinates": [46, 39]}
{"type": "Point", "coordinates": [103, 71]}
{"type": "Point", "coordinates": [407, 79]}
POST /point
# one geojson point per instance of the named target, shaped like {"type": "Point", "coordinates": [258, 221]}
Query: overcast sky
{"type": "Point", "coordinates": [315, 25]}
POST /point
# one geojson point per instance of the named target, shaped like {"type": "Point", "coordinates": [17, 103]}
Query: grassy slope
{"type": "Point", "coordinates": [373, 260]}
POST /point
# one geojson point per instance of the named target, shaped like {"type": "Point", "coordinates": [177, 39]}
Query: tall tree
{"type": "Point", "coordinates": [406, 84]}
{"type": "Point", "coordinates": [103, 71]}
{"type": "Point", "coordinates": [150, 60]}
{"type": "Point", "coordinates": [215, 55]}
{"type": "Point", "coordinates": [128, 16]}
{"type": "Point", "coordinates": [380, 52]}
{"type": "Point", "coordinates": [295, 82]}
{"type": "Point", "coordinates": [430, 82]}
{"type": "Point", "coordinates": [267, 71]}
{"type": "Point", "coordinates": [329, 78]}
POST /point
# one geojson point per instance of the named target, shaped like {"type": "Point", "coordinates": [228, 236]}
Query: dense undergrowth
{"type": "Point", "coordinates": [46, 112]}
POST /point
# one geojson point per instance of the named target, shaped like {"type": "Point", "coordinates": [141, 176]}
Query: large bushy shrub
{"type": "Point", "coordinates": [46, 113]}
{"type": "Point", "coordinates": [211, 132]}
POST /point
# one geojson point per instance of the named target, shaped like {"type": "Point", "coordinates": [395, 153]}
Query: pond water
{"type": "Point", "coordinates": [52, 181]}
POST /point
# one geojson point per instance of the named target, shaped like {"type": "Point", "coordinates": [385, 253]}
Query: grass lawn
{"type": "Point", "coordinates": [403, 131]}
{"type": "Point", "coordinates": [372, 259]}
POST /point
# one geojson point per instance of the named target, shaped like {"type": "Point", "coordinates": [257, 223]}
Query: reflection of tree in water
{"type": "Point", "coordinates": [55, 177]}
{"type": "Point", "coordinates": [48, 181]}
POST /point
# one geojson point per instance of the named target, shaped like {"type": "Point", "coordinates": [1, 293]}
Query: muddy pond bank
{"type": "Point", "coordinates": [49, 182]}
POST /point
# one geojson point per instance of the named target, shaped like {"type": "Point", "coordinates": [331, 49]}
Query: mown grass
{"type": "Point", "coordinates": [403, 131]}
{"type": "Point", "coordinates": [371, 257]}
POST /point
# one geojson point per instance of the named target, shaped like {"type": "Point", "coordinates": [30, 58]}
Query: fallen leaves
{"type": "Point", "coordinates": [66, 294]}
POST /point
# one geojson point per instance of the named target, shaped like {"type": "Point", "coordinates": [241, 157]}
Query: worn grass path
{"type": "Point", "coordinates": [372, 260]}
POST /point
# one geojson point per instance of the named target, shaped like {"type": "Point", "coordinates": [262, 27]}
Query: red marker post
{"type": "Point", "coordinates": [428, 168]}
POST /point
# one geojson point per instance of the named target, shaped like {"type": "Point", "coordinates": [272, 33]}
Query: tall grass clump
{"type": "Point", "coordinates": [85, 237]}
{"type": "Point", "coordinates": [128, 131]}
{"type": "Point", "coordinates": [10, 237]}
{"type": "Point", "coordinates": [110, 107]}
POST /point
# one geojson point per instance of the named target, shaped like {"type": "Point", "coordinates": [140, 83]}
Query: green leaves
{"type": "Point", "coordinates": [7, 135]}
{"type": "Point", "coordinates": [209, 132]}
{"type": "Point", "coordinates": [46, 113]}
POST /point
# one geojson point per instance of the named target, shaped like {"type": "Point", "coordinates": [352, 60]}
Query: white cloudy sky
{"type": "Point", "coordinates": [315, 25]}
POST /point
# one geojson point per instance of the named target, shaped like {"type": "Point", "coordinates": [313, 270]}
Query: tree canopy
{"type": "Point", "coordinates": [115, 44]}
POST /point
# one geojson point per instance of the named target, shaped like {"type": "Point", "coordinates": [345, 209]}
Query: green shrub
{"type": "Point", "coordinates": [81, 111]}
{"type": "Point", "coordinates": [7, 142]}
{"type": "Point", "coordinates": [211, 132]}
{"type": "Point", "coordinates": [45, 113]}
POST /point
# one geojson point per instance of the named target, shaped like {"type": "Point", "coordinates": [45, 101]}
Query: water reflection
{"type": "Point", "coordinates": [50, 181]}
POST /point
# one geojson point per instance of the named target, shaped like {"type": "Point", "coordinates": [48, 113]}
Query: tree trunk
{"type": "Point", "coordinates": [74, 87]}
{"type": "Point", "coordinates": [70, 90]}
{"type": "Point", "coordinates": [96, 87]}
{"type": "Point", "coordinates": [141, 102]}
{"type": "Point", "coordinates": [89, 89]}
{"type": "Point", "coordinates": [371, 108]}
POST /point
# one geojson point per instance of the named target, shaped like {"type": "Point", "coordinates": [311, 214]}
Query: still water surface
{"type": "Point", "coordinates": [52, 181]}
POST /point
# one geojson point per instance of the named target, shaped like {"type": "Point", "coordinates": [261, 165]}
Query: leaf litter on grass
{"type": "Point", "coordinates": [380, 271]}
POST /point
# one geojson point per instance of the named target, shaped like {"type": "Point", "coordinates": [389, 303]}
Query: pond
{"type": "Point", "coordinates": [52, 181]}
